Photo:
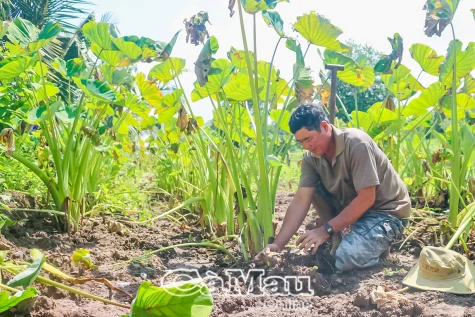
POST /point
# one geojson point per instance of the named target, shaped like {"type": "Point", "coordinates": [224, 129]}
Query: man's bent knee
{"type": "Point", "coordinates": [350, 259]}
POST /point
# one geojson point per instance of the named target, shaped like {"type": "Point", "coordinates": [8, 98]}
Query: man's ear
{"type": "Point", "coordinates": [324, 127]}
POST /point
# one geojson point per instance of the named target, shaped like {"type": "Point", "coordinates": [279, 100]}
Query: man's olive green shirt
{"type": "Point", "coordinates": [358, 163]}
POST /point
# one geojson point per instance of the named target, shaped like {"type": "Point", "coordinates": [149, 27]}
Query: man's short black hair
{"type": "Point", "coordinates": [307, 116]}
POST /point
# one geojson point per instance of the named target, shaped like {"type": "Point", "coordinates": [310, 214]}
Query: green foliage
{"type": "Point", "coordinates": [186, 299]}
{"type": "Point", "coordinates": [7, 301]}
{"type": "Point", "coordinates": [28, 276]}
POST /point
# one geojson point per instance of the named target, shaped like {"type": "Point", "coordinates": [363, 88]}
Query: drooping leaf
{"type": "Point", "coordinates": [218, 76]}
{"type": "Point", "coordinates": [439, 14]}
{"type": "Point", "coordinates": [319, 31]}
{"type": "Point", "coordinates": [7, 301]}
{"type": "Point", "coordinates": [96, 88]}
{"type": "Point", "coordinates": [427, 58]}
{"type": "Point", "coordinates": [293, 46]}
{"type": "Point", "coordinates": [130, 49]}
{"type": "Point", "coordinates": [168, 70]}
{"type": "Point", "coordinates": [98, 33]}
{"type": "Point", "coordinates": [465, 62]}
{"type": "Point", "coordinates": [273, 19]}
{"type": "Point", "coordinates": [149, 90]}
{"type": "Point", "coordinates": [254, 6]}
{"type": "Point", "coordinates": [304, 84]}
{"type": "Point", "coordinates": [167, 51]}
{"type": "Point", "coordinates": [83, 257]}
{"type": "Point", "coordinates": [353, 73]}
{"type": "Point", "coordinates": [384, 64]}
{"type": "Point", "coordinates": [28, 276]}
{"type": "Point", "coordinates": [429, 98]}
{"type": "Point", "coordinates": [203, 64]}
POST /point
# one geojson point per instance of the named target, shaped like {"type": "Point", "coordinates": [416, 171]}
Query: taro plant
{"type": "Point", "coordinates": [237, 159]}
{"type": "Point", "coordinates": [91, 125]}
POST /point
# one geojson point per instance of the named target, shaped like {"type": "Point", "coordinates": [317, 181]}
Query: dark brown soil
{"type": "Point", "coordinates": [336, 294]}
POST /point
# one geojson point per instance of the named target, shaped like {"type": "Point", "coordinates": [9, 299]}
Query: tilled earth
{"type": "Point", "coordinates": [326, 292]}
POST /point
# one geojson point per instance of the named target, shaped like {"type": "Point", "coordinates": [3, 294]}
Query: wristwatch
{"type": "Point", "coordinates": [329, 229]}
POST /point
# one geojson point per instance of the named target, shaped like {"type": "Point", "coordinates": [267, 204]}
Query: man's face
{"type": "Point", "coordinates": [314, 141]}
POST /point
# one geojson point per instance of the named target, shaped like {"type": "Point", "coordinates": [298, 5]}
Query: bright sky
{"type": "Point", "coordinates": [366, 22]}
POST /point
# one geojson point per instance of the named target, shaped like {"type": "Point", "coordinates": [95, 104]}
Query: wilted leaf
{"type": "Point", "coordinates": [83, 257]}
{"type": "Point", "coordinates": [182, 120]}
{"type": "Point", "coordinates": [384, 64]}
{"type": "Point", "coordinates": [319, 31]}
{"type": "Point", "coordinates": [218, 76]}
{"type": "Point", "coordinates": [439, 14]}
{"type": "Point", "coordinates": [203, 64]}
{"type": "Point", "coordinates": [167, 51]}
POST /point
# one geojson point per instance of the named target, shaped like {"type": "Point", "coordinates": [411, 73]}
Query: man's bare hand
{"type": "Point", "coordinates": [267, 256]}
{"type": "Point", "coordinates": [313, 237]}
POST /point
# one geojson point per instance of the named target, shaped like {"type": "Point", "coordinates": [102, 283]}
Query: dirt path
{"type": "Point", "coordinates": [336, 294]}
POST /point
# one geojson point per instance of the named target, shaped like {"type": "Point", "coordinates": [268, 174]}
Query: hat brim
{"type": "Point", "coordinates": [463, 285]}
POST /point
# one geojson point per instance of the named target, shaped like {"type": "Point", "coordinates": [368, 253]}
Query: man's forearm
{"type": "Point", "coordinates": [293, 219]}
{"type": "Point", "coordinates": [351, 213]}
